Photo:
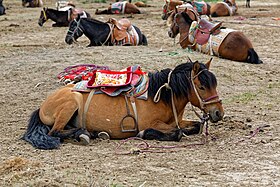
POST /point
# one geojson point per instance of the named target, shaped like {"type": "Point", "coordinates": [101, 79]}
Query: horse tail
{"type": "Point", "coordinates": [36, 133]}
{"type": "Point", "coordinates": [144, 40]}
{"type": "Point", "coordinates": [253, 57]}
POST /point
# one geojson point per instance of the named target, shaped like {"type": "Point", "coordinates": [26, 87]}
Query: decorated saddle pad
{"type": "Point", "coordinates": [118, 7]}
{"type": "Point", "coordinates": [76, 73]}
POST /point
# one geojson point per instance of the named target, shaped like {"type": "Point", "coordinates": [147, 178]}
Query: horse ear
{"type": "Point", "coordinates": [208, 63]}
{"type": "Point", "coordinates": [196, 67]}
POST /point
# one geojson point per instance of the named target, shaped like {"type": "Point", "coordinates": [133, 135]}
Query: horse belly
{"type": "Point", "coordinates": [106, 114]}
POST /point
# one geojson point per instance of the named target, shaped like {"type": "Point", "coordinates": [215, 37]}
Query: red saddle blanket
{"type": "Point", "coordinates": [110, 82]}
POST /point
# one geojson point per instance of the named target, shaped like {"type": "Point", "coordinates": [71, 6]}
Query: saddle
{"type": "Point", "coordinates": [205, 29]}
{"type": "Point", "coordinates": [120, 29]}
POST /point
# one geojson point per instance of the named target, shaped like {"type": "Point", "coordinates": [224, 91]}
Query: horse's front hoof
{"type": "Point", "coordinates": [84, 139]}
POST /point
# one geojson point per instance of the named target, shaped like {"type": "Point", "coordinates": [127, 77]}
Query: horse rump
{"type": "Point", "coordinates": [37, 134]}
{"type": "Point", "coordinates": [253, 57]}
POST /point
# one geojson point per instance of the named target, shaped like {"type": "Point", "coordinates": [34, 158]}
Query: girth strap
{"type": "Point", "coordinates": [86, 108]}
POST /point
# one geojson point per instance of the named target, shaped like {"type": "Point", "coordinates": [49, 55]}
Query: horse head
{"type": "Point", "coordinates": [165, 10]}
{"type": "Point", "coordinates": [204, 94]}
{"type": "Point", "coordinates": [75, 30]}
{"type": "Point", "coordinates": [180, 23]}
{"type": "Point", "coordinates": [43, 17]}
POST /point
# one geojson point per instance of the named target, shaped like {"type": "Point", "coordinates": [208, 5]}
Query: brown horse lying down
{"type": "Point", "coordinates": [70, 114]}
{"type": "Point", "coordinates": [120, 8]}
{"type": "Point", "coordinates": [32, 3]}
{"type": "Point", "coordinates": [209, 38]}
{"type": "Point", "coordinates": [225, 8]}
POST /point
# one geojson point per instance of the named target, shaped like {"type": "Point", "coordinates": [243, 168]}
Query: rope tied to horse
{"type": "Point", "coordinates": [158, 94]}
{"type": "Point", "coordinates": [145, 147]}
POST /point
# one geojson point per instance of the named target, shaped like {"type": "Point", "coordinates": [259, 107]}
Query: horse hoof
{"type": "Point", "coordinates": [104, 135]}
{"type": "Point", "coordinates": [84, 139]}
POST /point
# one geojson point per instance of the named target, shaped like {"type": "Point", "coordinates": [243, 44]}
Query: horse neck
{"type": "Point", "coordinates": [179, 84]}
{"type": "Point", "coordinates": [57, 15]}
{"type": "Point", "coordinates": [96, 31]}
{"type": "Point", "coordinates": [184, 33]}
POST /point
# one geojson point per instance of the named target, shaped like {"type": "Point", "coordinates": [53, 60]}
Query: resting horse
{"type": "Point", "coordinates": [32, 3]}
{"type": "Point", "coordinates": [201, 7]}
{"type": "Point", "coordinates": [225, 8]}
{"type": "Point", "coordinates": [101, 33]}
{"type": "Point", "coordinates": [2, 8]}
{"type": "Point", "coordinates": [120, 8]}
{"type": "Point", "coordinates": [208, 38]}
{"type": "Point", "coordinates": [61, 18]}
{"type": "Point", "coordinates": [159, 117]}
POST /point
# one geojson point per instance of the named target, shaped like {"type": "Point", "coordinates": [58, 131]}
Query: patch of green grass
{"type": "Point", "coordinates": [242, 98]}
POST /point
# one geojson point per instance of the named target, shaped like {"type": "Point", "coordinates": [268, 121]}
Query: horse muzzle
{"type": "Point", "coordinates": [69, 40]}
{"type": "Point", "coordinates": [164, 16]}
{"type": "Point", "coordinates": [216, 115]}
{"type": "Point", "coordinates": [171, 34]}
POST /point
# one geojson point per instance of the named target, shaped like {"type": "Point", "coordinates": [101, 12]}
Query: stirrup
{"type": "Point", "coordinates": [104, 135]}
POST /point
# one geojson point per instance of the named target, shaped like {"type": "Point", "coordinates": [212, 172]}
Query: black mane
{"type": "Point", "coordinates": [179, 81]}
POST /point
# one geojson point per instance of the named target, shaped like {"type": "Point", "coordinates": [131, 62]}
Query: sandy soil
{"type": "Point", "coordinates": [239, 155]}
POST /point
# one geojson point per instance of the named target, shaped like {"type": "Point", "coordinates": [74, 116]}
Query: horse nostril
{"type": "Point", "coordinates": [218, 114]}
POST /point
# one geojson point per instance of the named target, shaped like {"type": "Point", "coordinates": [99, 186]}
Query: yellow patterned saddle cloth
{"type": "Point", "coordinates": [211, 47]}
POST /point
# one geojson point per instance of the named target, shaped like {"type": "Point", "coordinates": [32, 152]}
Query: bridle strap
{"type": "Point", "coordinates": [45, 15]}
{"type": "Point", "coordinates": [209, 100]}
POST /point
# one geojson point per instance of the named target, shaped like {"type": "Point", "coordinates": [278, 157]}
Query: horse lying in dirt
{"type": "Point", "coordinates": [62, 18]}
{"type": "Point", "coordinates": [113, 32]}
{"type": "Point", "coordinates": [84, 115]}
{"type": "Point", "coordinates": [120, 8]}
{"type": "Point", "coordinates": [209, 38]}
{"type": "Point", "coordinates": [225, 8]}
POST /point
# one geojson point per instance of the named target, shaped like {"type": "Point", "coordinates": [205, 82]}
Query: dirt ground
{"type": "Point", "coordinates": [244, 152]}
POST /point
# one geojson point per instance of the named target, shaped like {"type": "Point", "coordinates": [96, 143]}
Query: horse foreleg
{"type": "Point", "coordinates": [190, 127]}
{"type": "Point", "coordinates": [161, 131]}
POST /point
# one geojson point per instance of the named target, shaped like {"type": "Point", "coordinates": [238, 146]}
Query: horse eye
{"type": "Point", "coordinates": [201, 87]}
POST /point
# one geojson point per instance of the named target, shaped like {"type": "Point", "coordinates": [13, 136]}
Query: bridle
{"type": "Point", "coordinates": [45, 15]}
{"type": "Point", "coordinates": [203, 102]}
{"type": "Point", "coordinates": [72, 33]}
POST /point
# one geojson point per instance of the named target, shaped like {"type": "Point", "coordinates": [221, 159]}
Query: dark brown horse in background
{"type": "Point", "coordinates": [62, 115]}
{"type": "Point", "coordinates": [225, 8]}
{"type": "Point", "coordinates": [32, 3]}
{"type": "Point", "coordinates": [120, 8]}
{"type": "Point", "coordinates": [235, 46]}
